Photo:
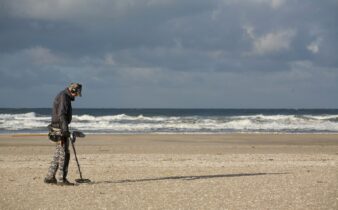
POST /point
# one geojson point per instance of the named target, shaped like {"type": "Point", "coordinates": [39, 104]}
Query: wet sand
{"type": "Point", "coordinates": [233, 171]}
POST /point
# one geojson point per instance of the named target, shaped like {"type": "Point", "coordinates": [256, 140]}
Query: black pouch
{"type": "Point", "coordinates": [54, 138]}
{"type": "Point", "coordinates": [54, 134]}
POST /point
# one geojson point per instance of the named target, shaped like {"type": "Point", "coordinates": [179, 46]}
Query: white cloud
{"type": "Point", "coordinates": [109, 59]}
{"type": "Point", "coordinates": [40, 8]}
{"type": "Point", "coordinates": [67, 9]}
{"type": "Point", "coordinates": [273, 42]}
{"type": "Point", "coordinates": [314, 46]}
{"type": "Point", "coordinates": [249, 30]}
{"type": "Point", "coordinates": [159, 2]}
{"type": "Point", "coordinates": [75, 10]}
{"type": "Point", "coordinates": [41, 55]}
{"type": "Point", "coordinates": [275, 4]}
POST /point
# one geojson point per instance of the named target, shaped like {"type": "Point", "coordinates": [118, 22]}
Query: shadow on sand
{"type": "Point", "coordinates": [185, 178]}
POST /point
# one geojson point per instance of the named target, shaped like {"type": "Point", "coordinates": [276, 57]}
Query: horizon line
{"type": "Point", "coordinates": [161, 108]}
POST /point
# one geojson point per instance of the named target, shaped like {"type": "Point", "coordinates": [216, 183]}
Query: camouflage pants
{"type": "Point", "coordinates": [60, 161]}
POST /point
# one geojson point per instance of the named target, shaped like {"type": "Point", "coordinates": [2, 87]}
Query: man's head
{"type": "Point", "coordinates": [75, 89]}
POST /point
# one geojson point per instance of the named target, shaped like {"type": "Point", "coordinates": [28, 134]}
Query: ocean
{"type": "Point", "coordinates": [176, 121]}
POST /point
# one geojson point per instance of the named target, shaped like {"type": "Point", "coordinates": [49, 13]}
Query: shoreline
{"type": "Point", "coordinates": [182, 133]}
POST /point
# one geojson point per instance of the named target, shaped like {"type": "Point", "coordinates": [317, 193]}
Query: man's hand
{"type": "Point", "coordinates": [73, 137]}
{"type": "Point", "coordinates": [65, 134]}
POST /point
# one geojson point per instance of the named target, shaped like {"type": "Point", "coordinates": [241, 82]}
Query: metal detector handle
{"type": "Point", "coordinates": [77, 162]}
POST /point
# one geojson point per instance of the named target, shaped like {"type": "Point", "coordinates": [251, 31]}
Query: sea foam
{"type": "Point", "coordinates": [124, 123]}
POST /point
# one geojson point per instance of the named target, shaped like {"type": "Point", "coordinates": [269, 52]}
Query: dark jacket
{"type": "Point", "coordinates": [62, 110]}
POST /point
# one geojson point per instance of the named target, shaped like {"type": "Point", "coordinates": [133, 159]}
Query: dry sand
{"type": "Point", "coordinates": [235, 171]}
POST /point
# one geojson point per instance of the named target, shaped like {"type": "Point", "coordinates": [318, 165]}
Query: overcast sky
{"type": "Point", "coordinates": [170, 53]}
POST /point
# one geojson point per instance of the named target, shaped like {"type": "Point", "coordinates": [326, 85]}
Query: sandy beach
{"type": "Point", "coordinates": [232, 171]}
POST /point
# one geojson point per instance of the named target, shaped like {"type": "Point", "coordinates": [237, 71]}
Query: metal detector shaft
{"type": "Point", "coordinates": [77, 162]}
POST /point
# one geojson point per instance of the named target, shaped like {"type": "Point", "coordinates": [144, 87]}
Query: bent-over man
{"type": "Point", "coordinates": [59, 133]}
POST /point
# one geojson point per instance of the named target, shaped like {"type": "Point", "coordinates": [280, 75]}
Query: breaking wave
{"type": "Point", "coordinates": [124, 123]}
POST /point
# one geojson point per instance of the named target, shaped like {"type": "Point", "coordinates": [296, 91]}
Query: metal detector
{"type": "Point", "coordinates": [72, 139]}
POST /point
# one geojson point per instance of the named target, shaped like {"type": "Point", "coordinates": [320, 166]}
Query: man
{"type": "Point", "coordinates": [59, 132]}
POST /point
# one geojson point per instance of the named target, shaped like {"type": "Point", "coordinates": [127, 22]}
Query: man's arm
{"type": "Point", "coordinates": [63, 110]}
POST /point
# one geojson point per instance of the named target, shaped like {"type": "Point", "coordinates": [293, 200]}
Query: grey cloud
{"type": "Point", "coordinates": [213, 50]}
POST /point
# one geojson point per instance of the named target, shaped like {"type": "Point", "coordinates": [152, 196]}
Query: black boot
{"type": "Point", "coordinates": [65, 182]}
{"type": "Point", "coordinates": [50, 180]}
